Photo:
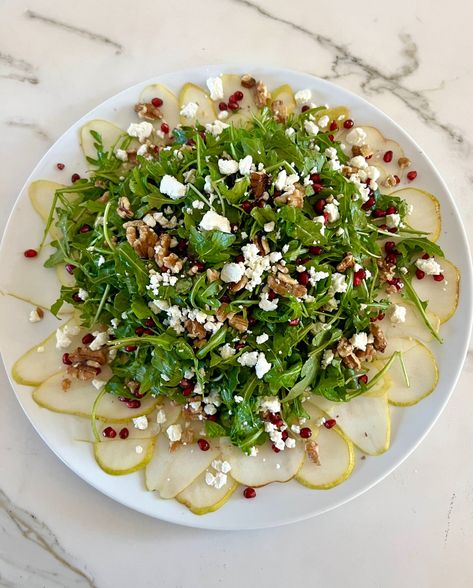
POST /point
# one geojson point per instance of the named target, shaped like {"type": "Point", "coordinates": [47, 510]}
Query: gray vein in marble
{"type": "Point", "coordinates": [24, 124]}
{"type": "Point", "coordinates": [15, 62]}
{"type": "Point", "coordinates": [75, 30]}
{"type": "Point", "coordinates": [18, 64]}
{"type": "Point", "coordinates": [375, 81]}
{"type": "Point", "coordinates": [20, 78]}
{"type": "Point", "coordinates": [449, 516]}
{"type": "Point", "coordinates": [24, 540]}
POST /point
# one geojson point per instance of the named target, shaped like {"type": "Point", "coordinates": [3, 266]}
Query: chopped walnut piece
{"type": "Point", "coordinates": [238, 322]}
{"type": "Point", "coordinates": [82, 355]}
{"type": "Point", "coordinates": [364, 150]}
{"type": "Point", "coordinates": [124, 208]}
{"type": "Point", "coordinates": [161, 249]}
{"type": "Point", "coordinates": [247, 81]}
{"type": "Point", "coordinates": [104, 198]}
{"type": "Point", "coordinates": [390, 181]}
{"type": "Point", "coordinates": [258, 183]}
{"type": "Point", "coordinates": [147, 111]}
{"type": "Point", "coordinates": [296, 199]}
{"type": "Point", "coordinates": [195, 330]}
{"type": "Point", "coordinates": [173, 262]}
{"type": "Point", "coordinates": [263, 246]}
{"type": "Point", "coordinates": [348, 170]}
{"type": "Point", "coordinates": [141, 237]}
{"type": "Point", "coordinates": [223, 312]}
{"type": "Point", "coordinates": [368, 354]}
{"type": "Point", "coordinates": [404, 162]}
{"type": "Point", "coordinates": [386, 270]}
{"type": "Point", "coordinates": [187, 437]}
{"type": "Point", "coordinates": [284, 288]}
{"type": "Point", "coordinates": [262, 95]}
{"type": "Point", "coordinates": [347, 262]}
{"type": "Point", "coordinates": [312, 450]}
{"type": "Point", "coordinates": [66, 384]}
{"type": "Point", "coordinates": [39, 312]}
{"type": "Point", "coordinates": [82, 372]}
{"type": "Point", "coordinates": [239, 285]}
{"type": "Point", "coordinates": [199, 343]}
{"type": "Point", "coordinates": [279, 110]}
{"type": "Point", "coordinates": [346, 352]}
{"type": "Point", "coordinates": [212, 275]}
{"type": "Point", "coordinates": [282, 268]}
{"type": "Point", "coordinates": [379, 338]}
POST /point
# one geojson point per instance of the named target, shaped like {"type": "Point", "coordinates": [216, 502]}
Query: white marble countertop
{"type": "Point", "coordinates": [57, 60]}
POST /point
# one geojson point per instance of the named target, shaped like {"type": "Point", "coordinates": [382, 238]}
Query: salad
{"type": "Point", "coordinates": [251, 280]}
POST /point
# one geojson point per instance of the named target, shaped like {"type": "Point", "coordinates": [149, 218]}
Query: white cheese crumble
{"type": "Point", "coordinates": [101, 338]}
{"type": "Point", "coordinates": [266, 304]}
{"type": "Point", "coordinates": [262, 338]}
{"type": "Point", "coordinates": [174, 432]}
{"type": "Point", "coordinates": [393, 220]}
{"type": "Point", "coordinates": [215, 87]}
{"type": "Point", "coordinates": [121, 154]}
{"type": "Point", "coordinates": [270, 404]}
{"type": "Point", "coordinates": [34, 316]}
{"type": "Point", "coordinates": [303, 96]}
{"type": "Point", "coordinates": [245, 164]}
{"type": "Point", "coordinates": [398, 314]}
{"type": "Point", "coordinates": [356, 136]}
{"type": "Point", "coordinates": [62, 335]}
{"type": "Point", "coordinates": [217, 481]}
{"type": "Point", "coordinates": [140, 130]}
{"type": "Point", "coordinates": [359, 341]}
{"type": "Point", "coordinates": [339, 284]}
{"type": "Point", "coordinates": [262, 366]}
{"type": "Point", "coordinates": [359, 161]}
{"type": "Point", "coordinates": [429, 266]}
{"type": "Point", "coordinates": [216, 128]}
{"type": "Point", "coordinates": [332, 211]}
{"type": "Point", "coordinates": [98, 384]}
{"type": "Point", "coordinates": [161, 417]}
{"type": "Point", "coordinates": [212, 221]}
{"type": "Point", "coordinates": [227, 351]}
{"type": "Point", "coordinates": [83, 294]}
{"type": "Point", "coordinates": [139, 449]}
{"type": "Point", "coordinates": [311, 128]}
{"type": "Point", "coordinates": [189, 110]}
{"type": "Point", "coordinates": [238, 399]}
{"type": "Point", "coordinates": [323, 121]}
{"type": "Point", "coordinates": [198, 204]}
{"type": "Point", "coordinates": [269, 227]}
{"type": "Point", "coordinates": [228, 166]}
{"type": "Point", "coordinates": [248, 359]}
{"type": "Point", "coordinates": [140, 423]}
{"type": "Point", "coordinates": [232, 272]}
{"type": "Point", "coordinates": [290, 443]}
{"type": "Point", "coordinates": [327, 358]}
{"type": "Point", "coordinates": [171, 187]}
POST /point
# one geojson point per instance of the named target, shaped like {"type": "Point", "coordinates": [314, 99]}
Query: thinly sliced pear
{"type": "Point", "coordinates": [424, 215]}
{"type": "Point", "coordinates": [172, 470]}
{"type": "Point", "coordinates": [200, 498]}
{"type": "Point", "coordinates": [413, 326]}
{"type": "Point", "coordinates": [34, 367]}
{"type": "Point", "coordinates": [365, 420]}
{"type": "Point", "coordinates": [170, 107]}
{"type": "Point", "coordinates": [286, 95]}
{"type": "Point", "coordinates": [337, 114]}
{"type": "Point", "coordinates": [382, 385]}
{"type": "Point", "coordinates": [265, 467]}
{"type": "Point", "coordinates": [80, 397]}
{"type": "Point", "coordinates": [119, 457]}
{"type": "Point", "coordinates": [64, 277]}
{"type": "Point", "coordinates": [231, 84]}
{"type": "Point", "coordinates": [422, 373]}
{"type": "Point", "coordinates": [109, 132]}
{"type": "Point", "coordinates": [337, 458]}
{"type": "Point", "coordinates": [441, 297]}
{"type": "Point", "coordinates": [206, 112]}
{"type": "Point", "coordinates": [402, 344]}
{"type": "Point", "coordinates": [41, 193]}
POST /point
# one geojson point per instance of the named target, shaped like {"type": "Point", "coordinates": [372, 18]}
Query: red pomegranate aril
{"type": "Point", "coordinates": [275, 419]}
{"type": "Point", "coordinates": [392, 229]}
{"type": "Point", "coordinates": [75, 178]}
{"type": "Point", "coordinates": [247, 206]}
{"type": "Point", "coordinates": [109, 432]}
{"type": "Point", "coordinates": [439, 277]}
{"type": "Point", "coordinates": [98, 371]}
{"type": "Point", "coordinates": [184, 383]}
{"type": "Point", "coordinates": [190, 142]}
{"type": "Point", "coordinates": [139, 331]}
{"type": "Point", "coordinates": [389, 246]}
{"type": "Point", "coordinates": [357, 281]}
{"type": "Point", "coordinates": [348, 124]}
{"type": "Point", "coordinates": [320, 205]}
{"type": "Point", "coordinates": [199, 265]}
{"type": "Point", "coordinates": [333, 126]}
{"type": "Point", "coordinates": [303, 278]}
{"type": "Point", "coordinates": [187, 391]}
{"type": "Point", "coordinates": [240, 346]}
{"type": "Point", "coordinates": [369, 203]}
{"type": "Point", "coordinates": [203, 444]}
{"type": "Point", "coordinates": [272, 295]}
{"type": "Point", "coordinates": [30, 253]}
{"type": "Point", "coordinates": [148, 332]}
{"type": "Point", "coordinates": [317, 188]}
{"type": "Point", "coordinates": [85, 229]}
{"type": "Point", "coordinates": [87, 339]}
{"type": "Point", "coordinates": [330, 423]}
{"type": "Point", "coordinates": [388, 156]}
{"type": "Point", "coordinates": [363, 379]}
{"type": "Point", "coordinates": [252, 321]}
{"type": "Point", "coordinates": [315, 178]}
{"type": "Point", "coordinates": [284, 435]}
{"type": "Point", "coordinates": [379, 213]}
{"type": "Point", "coordinates": [326, 217]}
{"type": "Point", "coordinates": [70, 268]}
{"type": "Point", "coordinates": [130, 348]}
{"type": "Point", "coordinates": [331, 138]}
{"type": "Point", "coordinates": [391, 210]}
{"type": "Point", "coordinates": [315, 250]}
{"type": "Point", "coordinates": [77, 298]}
{"type": "Point", "coordinates": [222, 106]}
{"type": "Point", "coordinates": [60, 166]}
{"type": "Point", "coordinates": [212, 417]}
{"type": "Point", "coordinates": [233, 105]}
{"type": "Point", "coordinates": [391, 258]}
{"type": "Point", "coordinates": [361, 273]}
{"type": "Point", "coordinates": [249, 493]}
{"type": "Point", "coordinates": [412, 175]}
{"type": "Point", "coordinates": [275, 449]}
{"type": "Point", "coordinates": [305, 108]}
{"type": "Point", "coordinates": [383, 227]}
{"type": "Point", "coordinates": [238, 95]}
{"type": "Point", "coordinates": [182, 246]}
{"type": "Point", "coordinates": [133, 403]}
{"type": "Point", "coordinates": [66, 360]}
{"type": "Point", "coordinates": [123, 434]}
{"type": "Point", "coordinates": [294, 322]}
{"type": "Point", "coordinates": [380, 316]}
{"type": "Point", "coordinates": [149, 322]}
{"type": "Point", "coordinates": [305, 432]}
{"type": "Point", "coordinates": [397, 178]}
{"type": "Point", "coordinates": [157, 102]}
{"type": "Point", "coordinates": [165, 128]}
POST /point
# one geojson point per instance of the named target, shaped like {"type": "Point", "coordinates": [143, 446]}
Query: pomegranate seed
{"type": "Point", "coordinates": [70, 268]}
{"type": "Point", "coordinates": [303, 278]}
{"type": "Point", "coordinates": [333, 126]}
{"type": "Point", "coordinates": [305, 108]}
{"type": "Point", "coordinates": [361, 274]}
{"type": "Point", "coordinates": [315, 178]}
{"type": "Point", "coordinates": [249, 492]}
{"type": "Point", "coordinates": [388, 156]}
{"type": "Point", "coordinates": [252, 321]}
{"type": "Point", "coordinates": [284, 435]}
{"type": "Point", "coordinates": [156, 102]}
{"type": "Point", "coordinates": [240, 346]}
{"type": "Point", "coordinates": [369, 203]}
{"type": "Point", "coordinates": [139, 331]}
{"type": "Point", "coordinates": [305, 432]}
{"type": "Point", "coordinates": [98, 371]}
{"type": "Point", "coordinates": [75, 178]}
{"type": "Point", "coordinates": [238, 95]}
{"type": "Point", "coordinates": [380, 316]}
{"type": "Point", "coordinates": [60, 166]}
{"type": "Point", "coordinates": [363, 379]}
{"type": "Point", "coordinates": [203, 444]}
{"type": "Point", "coordinates": [357, 281]}
{"type": "Point", "coordinates": [247, 206]}
{"type": "Point", "coordinates": [315, 250]}
{"type": "Point", "coordinates": [294, 322]}
{"type": "Point", "coordinates": [187, 391]}
{"type": "Point", "coordinates": [190, 142]}
{"type": "Point", "coordinates": [66, 359]}
{"type": "Point", "coordinates": [275, 419]}
{"type": "Point", "coordinates": [397, 178]}
{"type": "Point", "coordinates": [383, 227]}
{"type": "Point", "coordinates": [87, 339]}
{"type": "Point", "coordinates": [30, 253]}
{"type": "Point", "coordinates": [426, 256]}
{"type": "Point", "coordinates": [133, 403]}
{"type": "Point", "coordinates": [439, 278]}
{"type": "Point", "coordinates": [149, 322]}
{"type": "Point", "coordinates": [184, 383]}
{"type": "Point", "coordinates": [233, 105]}
{"type": "Point", "coordinates": [130, 348]}
{"type": "Point", "coordinates": [412, 175]}
{"type": "Point", "coordinates": [319, 205]}
{"type": "Point", "coordinates": [165, 128]}
{"type": "Point", "coordinates": [272, 295]}
{"type": "Point", "coordinates": [378, 213]}
{"type": "Point", "coordinates": [391, 258]}
{"type": "Point", "coordinates": [392, 230]}
{"type": "Point", "coordinates": [274, 448]}
{"type": "Point", "coordinates": [391, 210]}
{"type": "Point", "coordinates": [329, 423]}
{"type": "Point", "coordinates": [397, 282]}
{"type": "Point", "coordinates": [389, 246]}
{"type": "Point", "coordinates": [420, 275]}
{"type": "Point", "coordinates": [325, 215]}
{"type": "Point", "coordinates": [331, 138]}
{"type": "Point", "coordinates": [109, 432]}
{"type": "Point", "coordinates": [182, 246]}
{"type": "Point", "coordinates": [348, 124]}
{"type": "Point", "coordinates": [77, 298]}
{"type": "Point", "coordinates": [199, 265]}
{"type": "Point", "coordinates": [317, 188]}
{"type": "Point", "coordinates": [123, 434]}
{"type": "Point", "coordinates": [222, 106]}
{"type": "Point", "coordinates": [212, 417]}
{"type": "Point", "coordinates": [85, 229]}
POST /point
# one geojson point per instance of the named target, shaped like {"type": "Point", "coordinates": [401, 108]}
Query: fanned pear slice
{"type": "Point", "coordinates": [206, 112]}
{"type": "Point", "coordinates": [413, 326]}
{"type": "Point", "coordinates": [424, 212]}
{"type": "Point", "coordinates": [119, 457]}
{"type": "Point", "coordinates": [79, 398]}
{"type": "Point", "coordinates": [64, 277]}
{"type": "Point", "coordinates": [402, 344]}
{"type": "Point", "coordinates": [382, 385]}
{"type": "Point", "coordinates": [337, 114]}
{"type": "Point", "coordinates": [441, 297]}
{"type": "Point", "coordinates": [172, 470]}
{"type": "Point", "coordinates": [200, 498]}
{"type": "Point", "coordinates": [41, 193]}
{"type": "Point", "coordinates": [286, 95]}
{"type": "Point", "coordinates": [265, 467]}
{"type": "Point", "coordinates": [365, 420]}
{"type": "Point", "coordinates": [231, 84]}
{"type": "Point", "coordinates": [169, 108]}
{"type": "Point", "coordinates": [34, 366]}
{"type": "Point", "coordinates": [109, 132]}
{"type": "Point", "coordinates": [336, 456]}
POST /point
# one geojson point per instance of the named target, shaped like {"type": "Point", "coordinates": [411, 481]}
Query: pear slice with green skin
{"type": "Point", "coordinates": [80, 397]}
{"type": "Point", "coordinates": [42, 193]}
{"type": "Point", "coordinates": [120, 457]}
{"type": "Point", "coordinates": [422, 372]}
{"type": "Point", "coordinates": [265, 467]}
{"type": "Point", "coordinates": [200, 498]}
{"type": "Point", "coordinates": [337, 114]}
{"type": "Point", "coordinates": [413, 326]}
{"type": "Point", "coordinates": [206, 112]}
{"type": "Point", "coordinates": [109, 132]}
{"type": "Point", "coordinates": [337, 457]}
{"type": "Point", "coordinates": [172, 470]}
{"type": "Point", "coordinates": [34, 367]}
{"type": "Point", "coordinates": [442, 297]}
{"type": "Point", "coordinates": [286, 95]}
{"type": "Point", "coordinates": [425, 212]}
{"type": "Point", "coordinates": [384, 383]}
{"type": "Point", "coordinates": [169, 108]}
{"type": "Point", "coordinates": [231, 84]}
{"type": "Point", "coordinates": [365, 420]}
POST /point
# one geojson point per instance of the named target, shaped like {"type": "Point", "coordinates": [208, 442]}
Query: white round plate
{"type": "Point", "coordinates": [276, 504]}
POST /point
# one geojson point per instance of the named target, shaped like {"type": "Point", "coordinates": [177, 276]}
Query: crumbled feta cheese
{"type": "Point", "coordinates": [223, 114]}
{"type": "Point", "coordinates": [327, 358]}
{"type": "Point", "coordinates": [189, 110]}
{"type": "Point", "coordinates": [429, 266]}
{"type": "Point", "coordinates": [232, 272]}
{"type": "Point", "coordinates": [172, 187]}
{"type": "Point", "coordinates": [316, 276]}
{"type": "Point", "coordinates": [398, 314]}
{"type": "Point", "coordinates": [34, 316]}
{"type": "Point", "coordinates": [216, 128]}
{"type": "Point", "coordinates": [323, 121]}
{"type": "Point", "coordinates": [140, 423]}
{"type": "Point", "coordinates": [217, 481]}
{"type": "Point", "coordinates": [82, 294]}
{"type": "Point", "coordinates": [303, 96]}
{"type": "Point", "coordinates": [142, 150]}
{"type": "Point", "coordinates": [290, 443]}
{"type": "Point", "coordinates": [268, 227]}
{"type": "Point", "coordinates": [281, 180]}
{"type": "Point", "coordinates": [161, 417]}
{"type": "Point", "coordinates": [262, 366]}
{"type": "Point", "coordinates": [295, 429]}
{"type": "Point", "coordinates": [332, 211]}
{"type": "Point", "coordinates": [140, 130]}
{"type": "Point", "coordinates": [215, 87]}
{"type": "Point", "coordinates": [359, 341]}
{"type": "Point", "coordinates": [373, 173]}
{"type": "Point", "coordinates": [121, 154]}
{"type": "Point", "coordinates": [270, 403]}
{"type": "Point", "coordinates": [174, 432]}
{"type": "Point", "coordinates": [262, 338]}
{"type": "Point", "coordinates": [238, 399]}
{"type": "Point", "coordinates": [227, 351]}
{"type": "Point", "coordinates": [244, 165]}
{"type": "Point", "coordinates": [311, 128]}
{"type": "Point", "coordinates": [266, 304]}
{"type": "Point", "coordinates": [359, 161]}
{"type": "Point", "coordinates": [253, 451]}
{"type": "Point", "coordinates": [211, 221]}
{"type": "Point", "coordinates": [290, 132]}
{"type": "Point", "coordinates": [198, 204]}
{"type": "Point", "coordinates": [228, 166]}
{"type": "Point", "coordinates": [101, 338]}
{"type": "Point", "coordinates": [248, 359]}
{"type": "Point", "coordinates": [356, 136]}
{"type": "Point", "coordinates": [339, 284]}
{"type": "Point", "coordinates": [393, 220]}
{"type": "Point", "coordinates": [98, 384]}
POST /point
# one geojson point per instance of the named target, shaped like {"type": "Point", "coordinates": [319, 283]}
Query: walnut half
{"type": "Point", "coordinates": [141, 237]}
